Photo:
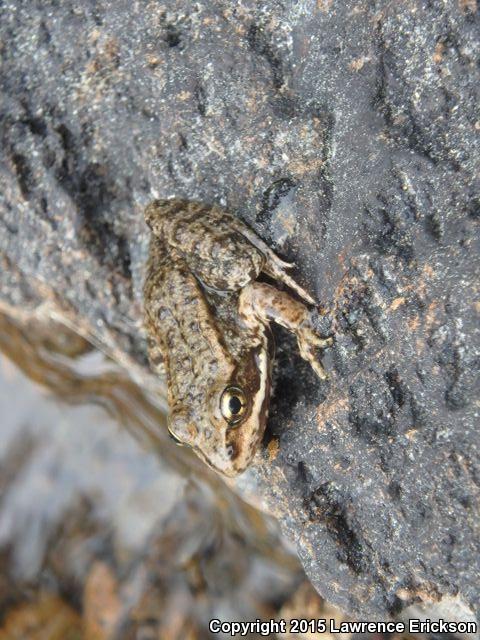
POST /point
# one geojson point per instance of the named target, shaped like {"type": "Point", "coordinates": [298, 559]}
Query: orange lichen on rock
{"type": "Point", "coordinates": [49, 617]}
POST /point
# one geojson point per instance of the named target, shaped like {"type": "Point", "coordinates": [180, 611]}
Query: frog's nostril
{"type": "Point", "coordinates": [232, 451]}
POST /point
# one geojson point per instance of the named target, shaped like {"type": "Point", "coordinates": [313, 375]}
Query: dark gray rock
{"type": "Point", "coordinates": [346, 134]}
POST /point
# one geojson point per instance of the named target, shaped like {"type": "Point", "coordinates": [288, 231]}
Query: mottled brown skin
{"type": "Point", "coordinates": [208, 320]}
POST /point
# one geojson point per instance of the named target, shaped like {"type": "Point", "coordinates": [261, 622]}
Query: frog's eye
{"type": "Point", "coordinates": [233, 404]}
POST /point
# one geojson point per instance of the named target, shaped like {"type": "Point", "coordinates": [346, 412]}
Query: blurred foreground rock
{"type": "Point", "coordinates": [346, 134]}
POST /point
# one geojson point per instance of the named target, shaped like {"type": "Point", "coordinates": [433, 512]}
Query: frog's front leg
{"type": "Point", "coordinates": [262, 302]}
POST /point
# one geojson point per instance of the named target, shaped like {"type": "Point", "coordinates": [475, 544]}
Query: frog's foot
{"type": "Point", "coordinates": [282, 264]}
{"type": "Point", "coordinates": [308, 343]}
{"type": "Point", "coordinates": [260, 244]}
{"type": "Point", "coordinates": [276, 268]}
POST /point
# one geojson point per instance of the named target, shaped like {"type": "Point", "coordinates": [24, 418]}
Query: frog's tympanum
{"type": "Point", "coordinates": [207, 320]}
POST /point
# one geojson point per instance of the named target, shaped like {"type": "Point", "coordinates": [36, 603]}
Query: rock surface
{"type": "Point", "coordinates": [346, 134]}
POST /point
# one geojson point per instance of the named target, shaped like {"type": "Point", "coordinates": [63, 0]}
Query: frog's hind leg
{"type": "Point", "coordinates": [273, 266]}
{"type": "Point", "coordinates": [260, 301]}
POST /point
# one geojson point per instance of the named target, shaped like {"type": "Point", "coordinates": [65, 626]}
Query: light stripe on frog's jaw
{"type": "Point", "coordinates": [246, 437]}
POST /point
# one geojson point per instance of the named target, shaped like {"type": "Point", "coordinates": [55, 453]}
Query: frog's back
{"type": "Point", "coordinates": [180, 323]}
{"type": "Point", "coordinates": [210, 240]}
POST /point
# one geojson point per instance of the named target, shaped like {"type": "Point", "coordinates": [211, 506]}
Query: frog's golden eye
{"type": "Point", "coordinates": [233, 404]}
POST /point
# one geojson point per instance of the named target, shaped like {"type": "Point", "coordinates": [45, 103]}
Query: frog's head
{"type": "Point", "coordinates": [230, 422]}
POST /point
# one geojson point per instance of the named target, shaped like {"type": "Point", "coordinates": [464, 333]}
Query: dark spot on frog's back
{"type": "Point", "coordinates": [212, 367]}
{"type": "Point", "coordinates": [163, 313]}
{"type": "Point", "coordinates": [194, 326]}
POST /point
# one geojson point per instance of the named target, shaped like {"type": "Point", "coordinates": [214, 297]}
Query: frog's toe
{"type": "Point", "coordinates": [308, 343]}
{"type": "Point", "coordinates": [308, 354]}
{"type": "Point", "coordinates": [319, 370]}
{"type": "Point", "coordinates": [323, 343]}
{"type": "Point", "coordinates": [283, 263]}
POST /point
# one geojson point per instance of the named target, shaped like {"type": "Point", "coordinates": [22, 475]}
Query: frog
{"type": "Point", "coordinates": [212, 288]}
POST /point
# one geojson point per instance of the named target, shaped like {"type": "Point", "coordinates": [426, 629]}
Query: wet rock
{"type": "Point", "coordinates": [346, 135]}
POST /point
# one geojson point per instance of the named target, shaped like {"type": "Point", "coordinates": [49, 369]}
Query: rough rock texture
{"type": "Point", "coordinates": [346, 134]}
